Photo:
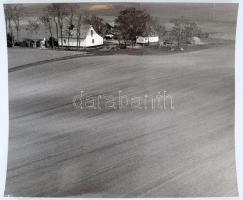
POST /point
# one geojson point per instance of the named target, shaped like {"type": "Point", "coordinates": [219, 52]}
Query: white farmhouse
{"type": "Point", "coordinates": [87, 38]}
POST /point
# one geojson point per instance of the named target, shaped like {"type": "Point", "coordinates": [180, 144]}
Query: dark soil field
{"type": "Point", "coordinates": [57, 150]}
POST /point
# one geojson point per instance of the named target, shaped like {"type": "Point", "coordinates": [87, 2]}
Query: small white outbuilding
{"type": "Point", "coordinates": [88, 37]}
{"type": "Point", "coordinates": [147, 40]}
{"type": "Point", "coordinates": [196, 41]}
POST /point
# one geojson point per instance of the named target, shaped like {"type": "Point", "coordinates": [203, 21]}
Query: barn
{"type": "Point", "coordinates": [88, 37]}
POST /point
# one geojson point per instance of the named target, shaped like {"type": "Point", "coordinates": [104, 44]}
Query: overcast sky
{"type": "Point", "coordinates": [165, 11]}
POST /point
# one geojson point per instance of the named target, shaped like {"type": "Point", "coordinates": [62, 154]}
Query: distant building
{"type": "Point", "coordinates": [109, 36]}
{"type": "Point", "coordinates": [87, 38]}
{"type": "Point", "coordinates": [147, 40]}
{"type": "Point", "coordinates": [195, 40]}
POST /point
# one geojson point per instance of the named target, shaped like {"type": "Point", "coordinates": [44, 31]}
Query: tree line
{"type": "Point", "coordinates": [61, 19]}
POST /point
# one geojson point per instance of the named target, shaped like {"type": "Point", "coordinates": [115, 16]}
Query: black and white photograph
{"type": "Point", "coordinates": [121, 99]}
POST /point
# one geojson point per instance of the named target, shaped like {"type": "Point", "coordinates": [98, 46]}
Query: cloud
{"type": "Point", "coordinates": [97, 7]}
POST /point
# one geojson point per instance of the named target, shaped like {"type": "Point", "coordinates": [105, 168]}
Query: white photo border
{"type": "Point", "coordinates": [4, 104]}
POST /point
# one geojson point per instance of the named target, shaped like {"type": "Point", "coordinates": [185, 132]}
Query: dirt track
{"type": "Point", "coordinates": [57, 150]}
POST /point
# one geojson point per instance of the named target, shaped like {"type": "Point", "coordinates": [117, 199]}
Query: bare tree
{"type": "Point", "coordinates": [33, 27]}
{"type": "Point", "coordinates": [80, 18]}
{"type": "Point", "coordinates": [148, 30]}
{"type": "Point", "coordinates": [70, 20]}
{"type": "Point", "coordinates": [9, 20]}
{"type": "Point", "coordinates": [158, 28]}
{"type": "Point", "coordinates": [47, 21]}
{"type": "Point", "coordinates": [52, 13]}
{"type": "Point", "coordinates": [17, 16]}
{"type": "Point", "coordinates": [59, 11]}
{"type": "Point", "coordinates": [183, 29]}
{"type": "Point", "coordinates": [97, 23]}
{"type": "Point", "coordinates": [56, 25]}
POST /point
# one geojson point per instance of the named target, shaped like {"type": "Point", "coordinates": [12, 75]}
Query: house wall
{"type": "Point", "coordinates": [89, 41]}
{"type": "Point", "coordinates": [93, 40]}
{"type": "Point", "coordinates": [72, 42]}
